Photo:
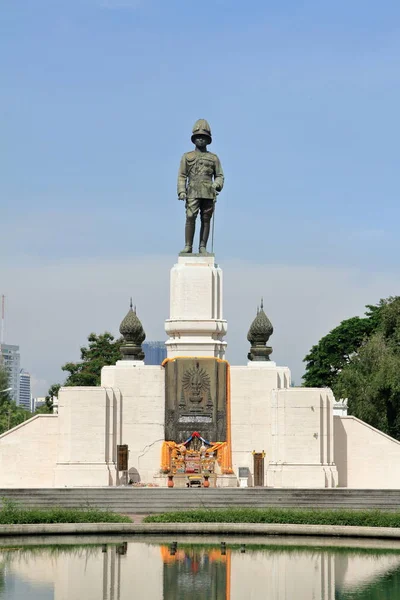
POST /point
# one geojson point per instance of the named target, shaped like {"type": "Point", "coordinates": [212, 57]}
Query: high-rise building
{"type": "Point", "coordinates": [38, 402]}
{"type": "Point", "coordinates": [11, 362]}
{"type": "Point", "coordinates": [25, 390]}
{"type": "Point", "coordinates": [155, 352]}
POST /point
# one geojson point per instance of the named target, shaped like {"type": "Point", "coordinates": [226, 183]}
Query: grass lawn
{"type": "Point", "coordinates": [11, 513]}
{"type": "Point", "coordinates": [365, 518]}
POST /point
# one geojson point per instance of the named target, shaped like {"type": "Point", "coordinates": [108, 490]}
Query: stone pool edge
{"type": "Point", "coordinates": [200, 529]}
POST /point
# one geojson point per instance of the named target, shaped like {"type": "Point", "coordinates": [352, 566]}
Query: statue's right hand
{"type": "Point", "coordinates": [182, 196]}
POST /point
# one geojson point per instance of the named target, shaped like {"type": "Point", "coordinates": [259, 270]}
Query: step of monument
{"type": "Point", "coordinates": [154, 500]}
{"type": "Point", "coordinates": [259, 491]}
{"type": "Point", "coordinates": [114, 491]}
{"type": "Point", "coordinates": [146, 509]}
{"type": "Point", "coordinates": [208, 495]}
{"type": "Point", "coordinates": [209, 499]}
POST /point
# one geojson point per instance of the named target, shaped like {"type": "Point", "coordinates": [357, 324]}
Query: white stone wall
{"type": "Point", "coordinates": [28, 453]}
{"type": "Point", "coordinates": [365, 457]}
{"type": "Point", "coordinates": [87, 434]}
{"type": "Point", "coordinates": [140, 414]}
{"type": "Point", "coordinates": [251, 388]}
{"type": "Point", "coordinates": [293, 426]}
{"type": "Point", "coordinates": [127, 409]}
{"type": "Point", "coordinates": [340, 408]}
{"type": "Point", "coordinates": [302, 439]}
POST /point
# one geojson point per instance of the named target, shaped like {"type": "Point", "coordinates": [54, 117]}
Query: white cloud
{"type": "Point", "coordinates": [52, 307]}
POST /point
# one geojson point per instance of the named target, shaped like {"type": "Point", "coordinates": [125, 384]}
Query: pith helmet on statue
{"type": "Point", "coordinates": [201, 127]}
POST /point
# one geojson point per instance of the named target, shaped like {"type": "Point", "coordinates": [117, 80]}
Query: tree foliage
{"type": "Point", "coordinates": [11, 415]}
{"type": "Point", "coordinates": [4, 384]}
{"type": "Point", "coordinates": [371, 380]}
{"type": "Point", "coordinates": [334, 351]}
{"type": "Point", "coordinates": [102, 350]}
{"type": "Point", "coordinates": [326, 359]}
{"type": "Point", "coordinates": [360, 360]}
{"type": "Point", "coordinates": [51, 394]}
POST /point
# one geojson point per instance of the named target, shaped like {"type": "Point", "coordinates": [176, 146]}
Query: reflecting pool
{"type": "Point", "coordinates": [199, 569]}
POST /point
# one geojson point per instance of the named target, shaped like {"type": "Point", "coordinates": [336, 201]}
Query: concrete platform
{"type": "Point", "coordinates": [238, 529]}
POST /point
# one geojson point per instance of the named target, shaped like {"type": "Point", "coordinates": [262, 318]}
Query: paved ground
{"type": "Point", "coordinates": [136, 518]}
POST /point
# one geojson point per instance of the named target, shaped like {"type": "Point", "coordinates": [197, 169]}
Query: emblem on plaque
{"type": "Point", "coordinates": [196, 385]}
{"type": "Point", "coordinates": [195, 398]}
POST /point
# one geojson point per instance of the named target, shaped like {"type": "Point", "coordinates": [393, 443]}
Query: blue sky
{"type": "Point", "coordinates": [97, 104]}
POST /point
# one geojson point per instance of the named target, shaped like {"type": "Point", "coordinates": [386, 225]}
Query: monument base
{"type": "Point", "coordinates": [195, 326]}
{"type": "Point", "coordinates": [181, 480]}
{"type": "Point", "coordinates": [224, 481]}
{"type": "Point", "coordinates": [85, 475]}
{"type": "Point", "coordinates": [301, 476]}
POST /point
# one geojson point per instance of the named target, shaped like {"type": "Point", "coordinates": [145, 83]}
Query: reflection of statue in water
{"type": "Point", "coordinates": [200, 179]}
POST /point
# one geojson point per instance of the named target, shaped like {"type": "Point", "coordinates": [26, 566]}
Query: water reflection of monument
{"type": "Point", "coordinates": [198, 571]}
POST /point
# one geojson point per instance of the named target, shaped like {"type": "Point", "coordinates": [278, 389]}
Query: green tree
{"type": "Point", "coordinates": [326, 359]}
{"type": "Point", "coordinates": [48, 405]}
{"type": "Point", "coordinates": [334, 351]}
{"type": "Point", "coordinates": [371, 382]}
{"type": "Point", "coordinates": [4, 384]}
{"type": "Point", "coordinates": [11, 415]}
{"type": "Point", "coordinates": [361, 362]}
{"type": "Point", "coordinates": [101, 351]}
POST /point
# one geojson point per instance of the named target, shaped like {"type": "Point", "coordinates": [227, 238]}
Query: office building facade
{"type": "Point", "coordinates": [11, 362]}
{"type": "Point", "coordinates": [38, 402]}
{"type": "Point", "coordinates": [25, 399]}
{"type": "Point", "coordinates": [155, 352]}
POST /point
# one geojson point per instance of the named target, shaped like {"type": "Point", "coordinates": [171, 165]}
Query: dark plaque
{"type": "Point", "coordinates": [122, 457]}
{"type": "Point", "coordinates": [195, 399]}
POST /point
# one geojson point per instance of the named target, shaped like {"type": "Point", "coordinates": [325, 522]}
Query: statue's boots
{"type": "Point", "coordinates": [204, 234]}
{"type": "Point", "coordinates": [189, 235]}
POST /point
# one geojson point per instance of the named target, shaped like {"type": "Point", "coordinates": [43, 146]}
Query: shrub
{"type": "Point", "coordinates": [365, 518]}
{"type": "Point", "coordinates": [11, 513]}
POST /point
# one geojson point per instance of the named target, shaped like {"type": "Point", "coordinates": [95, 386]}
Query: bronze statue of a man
{"type": "Point", "coordinates": [200, 179]}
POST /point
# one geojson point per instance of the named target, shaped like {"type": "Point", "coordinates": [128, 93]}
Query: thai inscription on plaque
{"type": "Point", "coordinates": [195, 398]}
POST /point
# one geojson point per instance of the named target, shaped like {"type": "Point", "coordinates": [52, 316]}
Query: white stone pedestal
{"type": "Point", "coordinates": [196, 326]}
{"type": "Point", "coordinates": [86, 453]}
{"type": "Point", "coordinates": [301, 449]}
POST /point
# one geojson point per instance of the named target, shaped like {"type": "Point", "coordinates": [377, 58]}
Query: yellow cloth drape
{"type": "Point", "coordinates": [166, 450]}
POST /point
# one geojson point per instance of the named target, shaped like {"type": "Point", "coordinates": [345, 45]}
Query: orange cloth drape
{"type": "Point", "coordinates": [227, 459]}
{"type": "Point", "coordinates": [166, 450]}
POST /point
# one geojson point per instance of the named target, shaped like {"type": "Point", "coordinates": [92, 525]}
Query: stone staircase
{"type": "Point", "coordinates": [131, 500]}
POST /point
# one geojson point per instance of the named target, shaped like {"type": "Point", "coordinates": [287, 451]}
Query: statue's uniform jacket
{"type": "Point", "coordinates": [197, 172]}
